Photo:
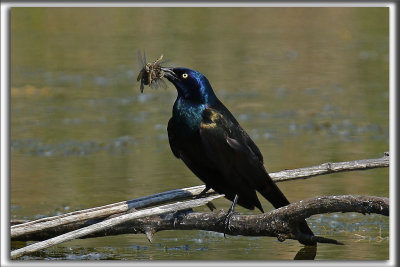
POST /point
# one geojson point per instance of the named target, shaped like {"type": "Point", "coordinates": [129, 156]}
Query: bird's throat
{"type": "Point", "coordinates": [188, 114]}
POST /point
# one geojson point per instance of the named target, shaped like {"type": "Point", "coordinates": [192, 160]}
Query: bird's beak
{"type": "Point", "coordinates": [169, 74]}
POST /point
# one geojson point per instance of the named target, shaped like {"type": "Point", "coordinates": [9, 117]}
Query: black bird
{"type": "Point", "coordinates": [207, 137]}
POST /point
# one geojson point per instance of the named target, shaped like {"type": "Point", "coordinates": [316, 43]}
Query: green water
{"type": "Point", "coordinates": [310, 85]}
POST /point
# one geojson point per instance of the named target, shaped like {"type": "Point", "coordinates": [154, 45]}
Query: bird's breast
{"type": "Point", "coordinates": [188, 115]}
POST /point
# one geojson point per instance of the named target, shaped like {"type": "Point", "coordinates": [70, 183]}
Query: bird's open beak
{"type": "Point", "coordinates": [169, 74]}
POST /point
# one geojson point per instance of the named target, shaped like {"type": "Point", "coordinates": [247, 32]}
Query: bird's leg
{"type": "Point", "coordinates": [202, 193]}
{"type": "Point", "coordinates": [210, 205]}
{"type": "Point", "coordinates": [229, 214]}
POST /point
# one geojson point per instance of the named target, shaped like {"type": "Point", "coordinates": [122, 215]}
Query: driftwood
{"type": "Point", "coordinates": [331, 167]}
{"type": "Point", "coordinates": [277, 223]}
{"type": "Point", "coordinates": [110, 223]}
{"type": "Point", "coordinates": [100, 212]}
{"type": "Point", "coordinates": [185, 193]}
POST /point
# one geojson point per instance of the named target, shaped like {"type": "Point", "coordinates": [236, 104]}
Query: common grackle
{"type": "Point", "coordinates": [207, 137]}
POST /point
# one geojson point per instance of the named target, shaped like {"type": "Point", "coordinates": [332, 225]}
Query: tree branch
{"type": "Point", "coordinates": [108, 223]}
{"type": "Point", "coordinates": [280, 223]}
{"type": "Point", "coordinates": [186, 193]}
{"type": "Point", "coordinates": [331, 167]}
{"type": "Point", "coordinates": [122, 217]}
{"type": "Point", "coordinates": [107, 210]}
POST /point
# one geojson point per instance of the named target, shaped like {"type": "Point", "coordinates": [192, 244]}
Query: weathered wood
{"type": "Point", "coordinates": [98, 212]}
{"type": "Point", "coordinates": [331, 167]}
{"type": "Point", "coordinates": [279, 223]}
{"type": "Point", "coordinates": [185, 193]}
{"type": "Point", "coordinates": [110, 223]}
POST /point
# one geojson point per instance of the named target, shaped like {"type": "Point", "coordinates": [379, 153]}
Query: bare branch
{"type": "Point", "coordinates": [110, 223]}
{"type": "Point", "coordinates": [186, 193]}
{"type": "Point", "coordinates": [103, 211]}
{"type": "Point", "coordinates": [331, 167]}
{"type": "Point", "coordinates": [280, 223]}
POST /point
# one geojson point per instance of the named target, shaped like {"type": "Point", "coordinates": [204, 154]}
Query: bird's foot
{"type": "Point", "coordinates": [229, 214]}
{"type": "Point", "coordinates": [227, 219]}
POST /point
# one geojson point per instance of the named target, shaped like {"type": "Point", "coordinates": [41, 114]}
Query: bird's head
{"type": "Point", "coordinates": [191, 85]}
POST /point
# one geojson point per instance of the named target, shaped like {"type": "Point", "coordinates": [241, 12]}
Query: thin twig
{"type": "Point", "coordinates": [330, 167]}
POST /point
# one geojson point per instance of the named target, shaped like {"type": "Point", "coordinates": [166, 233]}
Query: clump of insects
{"type": "Point", "coordinates": [150, 74]}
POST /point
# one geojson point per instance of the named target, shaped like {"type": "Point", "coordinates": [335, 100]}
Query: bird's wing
{"type": "Point", "coordinates": [172, 137]}
{"type": "Point", "coordinates": [230, 149]}
{"type": "Point", "coordinates": [221, 135]}
{"type": "Point", "coordinates": [239, 131]}
{"type": "Point", "coordinates": [228, 146]}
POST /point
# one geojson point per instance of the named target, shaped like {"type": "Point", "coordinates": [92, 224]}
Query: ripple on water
{"type": "Point", "coordinates": [119, 145]}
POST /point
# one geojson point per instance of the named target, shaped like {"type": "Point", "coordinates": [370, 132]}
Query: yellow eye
{"type": "Point", "coordinates": [185, 75]}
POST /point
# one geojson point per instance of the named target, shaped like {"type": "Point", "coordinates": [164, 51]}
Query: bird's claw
{"type": "Point", "coordinates": [227, 219]}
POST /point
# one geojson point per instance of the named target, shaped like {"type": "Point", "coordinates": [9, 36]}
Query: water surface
{"type": "Point", "coordinates": [310, 85]}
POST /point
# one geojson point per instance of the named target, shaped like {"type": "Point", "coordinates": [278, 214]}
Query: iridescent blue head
{"type": "Point", "coordinates": [191, 85]}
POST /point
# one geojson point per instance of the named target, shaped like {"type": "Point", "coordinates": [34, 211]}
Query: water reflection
{"type": "Point", "coordinates": [306, 253]}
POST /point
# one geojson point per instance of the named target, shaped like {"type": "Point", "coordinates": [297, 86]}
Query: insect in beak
{"type": "Point", "coordinates": [150, 74]}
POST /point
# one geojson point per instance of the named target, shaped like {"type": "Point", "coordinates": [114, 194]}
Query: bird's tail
{"type": "Point", "coordinates": [274, 195]}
